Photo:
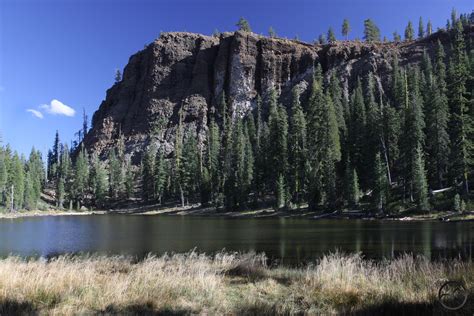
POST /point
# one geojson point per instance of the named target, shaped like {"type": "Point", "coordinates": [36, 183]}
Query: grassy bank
{"type": "Point", "coordinates": [52, 212]}
{"type": "Point", "coordinates": [224, 284]}
{"type": "Point", "coordinates": [197, 210]}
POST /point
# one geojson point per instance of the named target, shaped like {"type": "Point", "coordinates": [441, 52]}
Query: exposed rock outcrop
{"type": "Point", "coordinates": [188, 72]}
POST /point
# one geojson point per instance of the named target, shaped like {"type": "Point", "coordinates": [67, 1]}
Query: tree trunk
{"type": "Point", "coordinates": [386, 160]}
{"type": "Point", "coordinates": [13, 205]}
{"type": "Point", "coordinates": [182, 195]}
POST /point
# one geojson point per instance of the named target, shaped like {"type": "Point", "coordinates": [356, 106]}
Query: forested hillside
{"type": "Point", "coordinates": [394, 136]}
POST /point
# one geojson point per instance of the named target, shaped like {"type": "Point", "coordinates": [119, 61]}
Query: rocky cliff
{"type": "Point", "coordinates": [185, 72]}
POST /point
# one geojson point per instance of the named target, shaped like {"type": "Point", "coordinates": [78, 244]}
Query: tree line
{"type": "Point", "coordinates": [21, 180]}
{"type": "Point", "coordinates": [372, 31]}
{"type": "Point", "coordinates": [327, 151]}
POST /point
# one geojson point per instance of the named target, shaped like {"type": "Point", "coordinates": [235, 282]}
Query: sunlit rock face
{"type": "Point", "coordinates": [180, 76]}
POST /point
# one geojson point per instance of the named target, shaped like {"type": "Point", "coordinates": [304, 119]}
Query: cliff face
{"type": "Point", "coordinates": [185, 72]}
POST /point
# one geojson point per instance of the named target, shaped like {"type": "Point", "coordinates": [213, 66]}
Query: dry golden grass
{"type": "Point", "coordinates": [227, 283]}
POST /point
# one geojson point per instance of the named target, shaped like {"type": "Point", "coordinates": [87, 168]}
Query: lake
{"type": "Point", "coordinates": [289, 241]}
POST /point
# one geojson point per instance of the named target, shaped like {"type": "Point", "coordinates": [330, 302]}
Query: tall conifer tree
{"type": "Point", "coordinates": [460, 122]}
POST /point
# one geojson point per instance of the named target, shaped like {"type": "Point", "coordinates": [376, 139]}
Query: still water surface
{"type": "Point", "coordinates": [290, 241]}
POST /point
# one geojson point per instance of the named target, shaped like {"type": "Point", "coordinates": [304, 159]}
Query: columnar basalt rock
{"type": "Point", "coordinates": [185, 73]}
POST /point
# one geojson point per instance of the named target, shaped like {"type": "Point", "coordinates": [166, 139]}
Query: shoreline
{"type": "Point", "coordinates": [198, 211]}
{"type": "Point", "coordinates": [38, 213]}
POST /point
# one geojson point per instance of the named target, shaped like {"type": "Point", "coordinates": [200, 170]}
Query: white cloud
{"type": "Point", "coordinates": [56, 107]}
{"type": "Point", "coordinates": [36, 113]}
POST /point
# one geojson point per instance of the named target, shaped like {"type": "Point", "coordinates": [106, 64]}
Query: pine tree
{"type": "Point", "coordinates": [421, 31]}
{"type": "Point", "coordinates": [374, 133]}
{"type": "Point", "coordinates": [53, 158]}
{"type": "Point", "coordinates": [371, 31]}
{"type": "Point", "coordinates": [243, 25]}
{"type": "Point", "coordinates": [380, 191]}
{"type": "Point", "coordinates": [129, 178]}
{"type": "Point", "coordinates": [470, 106]}
{"type": "Point", "coordinates": [251, 130]}
{"type": "Point", "coordinates": [426, 79]}
{"type": "Point", "coordinates": [3, 175]}
{"type": "Point", "coordinates": [358, 131]}
{"type": "Point", "coordinates": [81, 176]}
{"type": "Point", "coordinates": [29, 199]}
{"type": "Point", "coordinates": [420, 190]}
{"type": "Point", "coordinates": [148, 163]}
{"type": "Point", "coordinates": [205, 186]}
{"type": "Point", "coordinates": [34, 180]}
{"type": "Point", "coordinates": [259, 151]}
{"type": "Point", "coordinates": [189, 167]}
{"type": "Point", "coordinates": [297, 150]}
{"type": "Point", "coordinates": [459, 123]}
{"type": "Point", "coordinates": [118, 76]}
{"type": "Point", "coordinates": [454, 18]}
{"type": "Point", "coordinates": [85, 119]}
{"type": "Point", "coordinates": [351, 185]}
{"type": "Point", "coordinates": [331, 35]}
{"type": "Point", "coordinates": [282, 141]}
{"type": "Point", "coordinates": [213, 151]}
{"type": "Point", "coordinates": [391, 131]}
{"type": "Point", "coordinates": [16, 182]}
{"type": "Point", "coordinates": [323, 146]}
{"type": "Point", "coordinates": [278, 142]}
{"type": "Point", "coordinates": [234, 190]}
{"type": "Point", "coordinates": [226, 160]}
{"type": "Point", "coordinates": [60, 192]}
{"type": "Point", "coordinates": [249, 163]}
{"type": "Point", "coordinates": [159, 174]}
{"type": "Point", "coordinates": [98, 180]}
{"type": "Point", "coordinates": [337, 97]}
{"type": "Point", "coordinates": [398, 84]}
{"type": "Point", "coordinates": [413, 127]}
{"type": "Point", "coordinates": [345, 28]}
{"type": "Point", "coordinates": [322, 39]}
{"type": "Point", "coordinates": [313, 133]}
{"type": "Point", "coordinates": [331, 152]}
{"type": "Point", "coordinates": [396, 37]}
{"type": "Point", "coordinates": [409, 32]}
{"type": "Point", "coordinates": [64, 176]}
{"type": "Point", "coordinates": [265, 160]}
{"type": "Point", "coordinates": [437, 116]}
{"type": "Point", "coordinates": [271, 32]}
{"type": "Point", "coordinates": [178, 152]}
{"type": "Point", "coordinates": [280, 192]}
{"type": "Point", "coordinates": [120, 149]}
{"type": "Point", "coordinates": [115, 174]}
{"type": "Point", "coordinates": [429, 28]}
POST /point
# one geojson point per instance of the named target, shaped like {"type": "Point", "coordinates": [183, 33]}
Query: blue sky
{"type": "Point", "coordinates": [68, 50]}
